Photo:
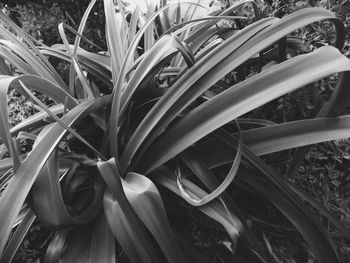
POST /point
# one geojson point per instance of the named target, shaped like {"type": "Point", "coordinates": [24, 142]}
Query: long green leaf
{"type": "Point", "coordinates": [56, 247]}
{"type": "Point", "coordinates": [78, 38]}
{"type": "Point", "coordinates": [215, 210]}
{"type": "Point", "coordinates": [4, 126]}
{"type": "Point", "coordinates": [122, 219]}
{"type": "Point", "coordinates": [102, 243]}
{"type": "Point", "coordinates": [75, 65]}
{"type": "Point", "coordinates": [16, 61]}
{"type": "Point", "coordinates": [4, 68]}
{"type": "Point", "coordinates": [46, 196]}
{"type": "Point", "coordinates": [293, 134]}
{"type": "Point", "coordinates": [222, 187]}
{"type": "Point", "coordinates": [148, 205]}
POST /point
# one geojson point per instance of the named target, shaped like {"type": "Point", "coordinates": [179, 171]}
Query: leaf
{"type": "Point", "coordinates": [293, 134]}
{"type": "Point", "coordinates": [114, 38]}
{"type": "Point", "coordinates": [215, 210]}
{"type": "Point", "coordinates": [102, 243]}
{"type": "Point", "coordinates": [122, 219]}
{"type": "Point", "coordinates": [56, 247]}
{"type": "Point", "coordinates": [78, 38]}
{"type": "Point", "coordinates": [46, 196]}
{"type": "Point", "coordinates": [89, 243]}
{"type": "Point", "coordinates": [222, 187]}
{"type": "Point", "coordinates": [4, 68]}
{"type": "Point", "coordinates": [75, 65]}
{"type": "Point", "coordinates": [147, 203]}
{"type": "Point", "coordinates": [11, 56]}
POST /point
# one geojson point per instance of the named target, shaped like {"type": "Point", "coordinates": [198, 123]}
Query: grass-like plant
{"type": "Point", "coordinates": [153, 112]}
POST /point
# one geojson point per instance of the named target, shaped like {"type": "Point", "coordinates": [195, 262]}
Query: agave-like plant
{"type": "Point", "coordinates": [153, 113]}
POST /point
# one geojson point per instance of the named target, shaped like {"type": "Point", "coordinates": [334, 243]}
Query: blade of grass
{"type": "Point", "coordinates": [74, 64]}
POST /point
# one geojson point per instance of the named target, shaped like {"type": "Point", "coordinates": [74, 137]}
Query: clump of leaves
{"type": "Point", "coordinates": [119, 163]}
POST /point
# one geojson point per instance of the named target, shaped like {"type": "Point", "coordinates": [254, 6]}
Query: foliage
{"type": "Point", "coordinates": [151, 136]}
{"type": "Point", "coordinates": [40, 18]}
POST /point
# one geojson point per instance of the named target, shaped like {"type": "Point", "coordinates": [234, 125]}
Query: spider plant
{"type": "Point", "coordinates": [148, 127]}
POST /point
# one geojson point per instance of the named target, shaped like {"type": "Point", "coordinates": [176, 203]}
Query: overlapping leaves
{"type": "Point", "coordinates": [166, 116]}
